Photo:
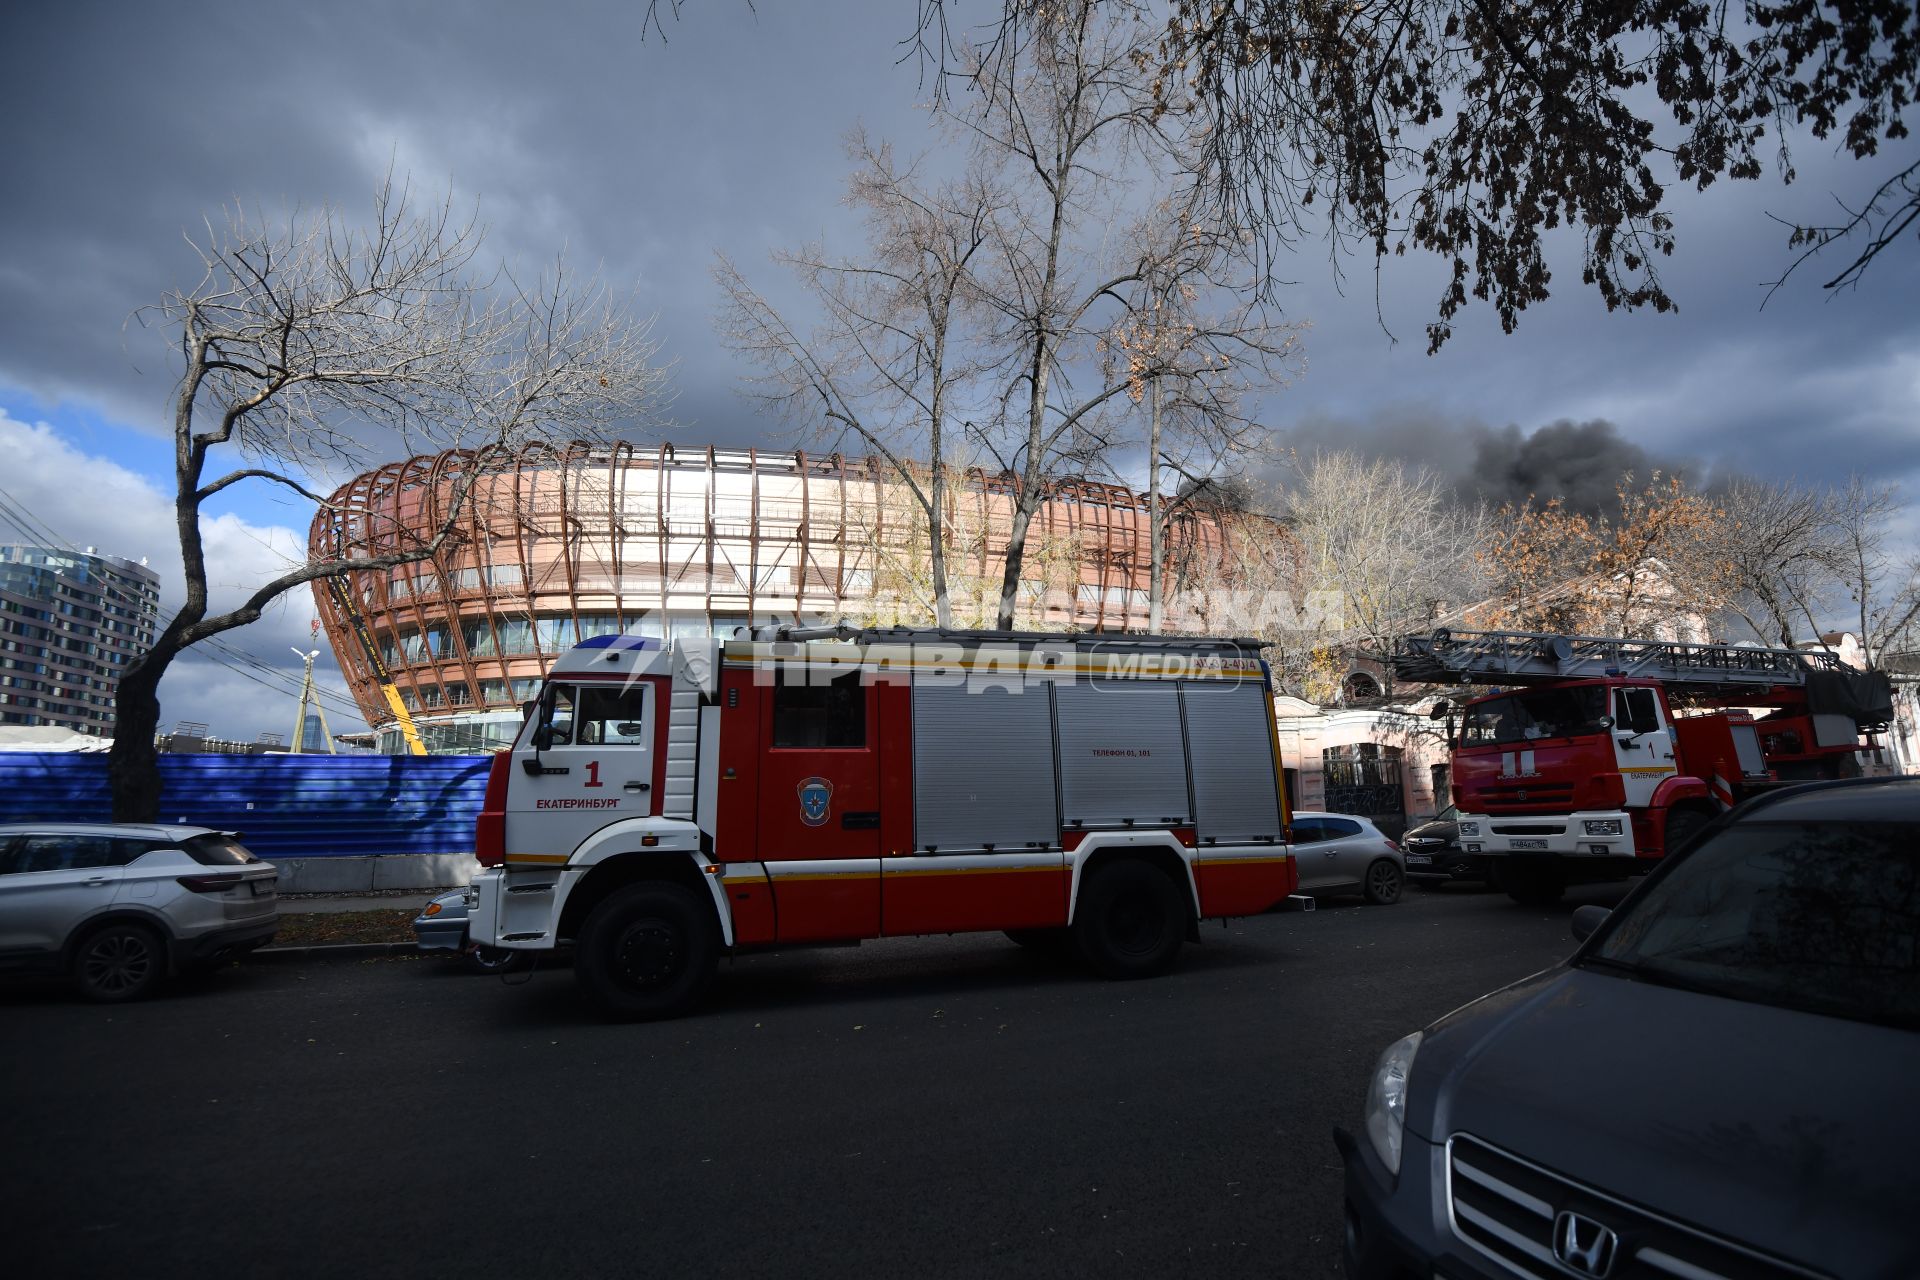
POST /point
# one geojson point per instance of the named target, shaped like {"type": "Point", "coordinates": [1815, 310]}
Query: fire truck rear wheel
{"type": "Point", "coordinates": [1130, 920]}
{"type": "Point", "coordinates": [648, 951]}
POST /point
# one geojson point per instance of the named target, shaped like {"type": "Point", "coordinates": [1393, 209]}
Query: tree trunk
{"type": "Point", "coordinates": [1156, 539]}
{"type": "Point", "coordinates": [1016, 557]}
{"type": "Point", "coordinates": [937, 547]}
{"type": "Point", "coordinates": [133, 764]}
{"type": "Point", "coordinates": [942, 606]}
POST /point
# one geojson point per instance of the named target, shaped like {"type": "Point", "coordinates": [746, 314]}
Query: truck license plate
{"type": "Point", "coordinates": [1419, 859]}
{"type": "Point", "coordinates": [1529, 844]}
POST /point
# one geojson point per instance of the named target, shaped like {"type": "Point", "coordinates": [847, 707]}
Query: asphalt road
{"type": "Point", "coordinates": [917, 1108]}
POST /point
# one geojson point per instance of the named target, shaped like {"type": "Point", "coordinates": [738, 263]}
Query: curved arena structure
{"type": "Point", "coordinates": [551, 546]}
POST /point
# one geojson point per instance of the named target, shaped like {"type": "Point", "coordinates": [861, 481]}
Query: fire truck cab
{"type": "Point", "coordinates": [1602, 770]}
{"type": "Point", "coordinates": [666, 803]}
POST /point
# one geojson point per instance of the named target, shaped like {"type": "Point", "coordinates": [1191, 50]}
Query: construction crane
{"type": "Point", "coordinates": [343, 599]}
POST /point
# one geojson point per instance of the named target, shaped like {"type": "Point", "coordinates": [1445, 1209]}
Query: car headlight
{"type": "Point", "coordinates": [1469, 828]}
{"type": "Point", "coordinates": [1602, 826]}
{"type": "Point", "coordinates": [1387, 1099]}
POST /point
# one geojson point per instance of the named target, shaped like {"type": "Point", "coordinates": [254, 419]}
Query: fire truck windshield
{"type": "Point", "coordinates": [1535, 714]}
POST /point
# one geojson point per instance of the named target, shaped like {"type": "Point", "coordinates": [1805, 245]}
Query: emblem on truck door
{"type": "Point", "coordinates": [816, 801]}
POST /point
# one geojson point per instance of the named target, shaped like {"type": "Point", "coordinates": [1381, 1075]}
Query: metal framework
{"type": "Point", "coordinates": [554, 545]}
{"type": "Point", "coordinates": [1521, 657]}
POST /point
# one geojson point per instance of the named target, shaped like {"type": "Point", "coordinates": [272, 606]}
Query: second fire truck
{"type": "Point", "coordinates": [668, 803]}
{"type": "Point", "coordinates": [1600, 753]}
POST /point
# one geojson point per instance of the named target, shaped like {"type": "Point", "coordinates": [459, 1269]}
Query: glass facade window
{"type": "Point", "coordinates": [478, 638]}
{"type": "Point", "coordinates": [515, 636]}
{"type": "Point", "coordinates": [75, 620]}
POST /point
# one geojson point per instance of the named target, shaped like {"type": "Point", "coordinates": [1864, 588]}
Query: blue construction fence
{"type": "Point", "coordinates": [292, 806]}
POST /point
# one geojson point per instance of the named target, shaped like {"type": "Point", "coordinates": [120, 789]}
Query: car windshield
{"type": "Point", "coordinates": [1541, 713]}
{"type": "Point", "coordinates": [216, 850]}
{"type": "Point", "coordinates": [1821, 917]}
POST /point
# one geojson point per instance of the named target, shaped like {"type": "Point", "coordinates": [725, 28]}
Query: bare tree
{"type": "Point", "coordinates": [892, 357]}
{"type": "Point", "coordinates": [1883, 591]}
{"type": "Point", "coordinates": [1804, 562]}
{"type": "Point", "coordinates": [317, 345]}
{"type": "Point", "coordinates": [1391, 542]}
{"type": "Point", "coordinates": [1062, 108]}
{"type": "Point", "coordinates": [1191, 363]}
{"type": "Point", "coordinates": [1777, 546]}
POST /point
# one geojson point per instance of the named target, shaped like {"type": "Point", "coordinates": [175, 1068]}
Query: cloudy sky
{"type": "Point", "coordinates": [124, 125]}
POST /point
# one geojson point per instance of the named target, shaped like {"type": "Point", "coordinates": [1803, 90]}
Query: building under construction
{"type": "Point", "coordinates": [546, 548]}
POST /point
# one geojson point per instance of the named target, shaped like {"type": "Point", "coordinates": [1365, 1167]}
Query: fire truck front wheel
{"type": "Point", "coordinates": [648, 951]}
{"type": "Point", "coordinates": [1130, 920]}
{"type": "Point", "coordinates": [1682, 826]}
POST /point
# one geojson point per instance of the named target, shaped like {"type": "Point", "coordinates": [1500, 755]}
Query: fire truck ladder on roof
{"type": "Point", "coordinates": [1531, 657]}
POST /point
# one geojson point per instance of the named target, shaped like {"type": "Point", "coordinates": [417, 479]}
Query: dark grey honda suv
{"type": "Point", "coordinates": [1719, 1082]}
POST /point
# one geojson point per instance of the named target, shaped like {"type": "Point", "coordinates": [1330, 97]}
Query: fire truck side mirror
{"type": "Point", "coordinates": [542, 736]}
{"type": "Point", "coordinates": [527, 709]}
{"type": "Point", "coordinates": [1442, 710]}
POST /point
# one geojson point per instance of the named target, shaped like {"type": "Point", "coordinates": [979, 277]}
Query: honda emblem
{"type": "Point", "coordinates": [1584, 1246]}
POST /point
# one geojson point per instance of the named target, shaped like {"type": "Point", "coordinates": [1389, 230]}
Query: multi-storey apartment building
{"type": "Point", "coordinates": [70, 622]}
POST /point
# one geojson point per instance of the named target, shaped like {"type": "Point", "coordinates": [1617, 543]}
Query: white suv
{"type": "Point", "coordinates": [120, 906]}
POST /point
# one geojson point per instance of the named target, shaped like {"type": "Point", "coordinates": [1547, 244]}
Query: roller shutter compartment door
{"type": "Point", "coordinates": [1232, 750]}
{"type": "Point", "coordinates": [1122, 757]}
{"type": "Point", "coordinates": [983, 767]}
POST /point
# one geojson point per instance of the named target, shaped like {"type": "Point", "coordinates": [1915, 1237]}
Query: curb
{"type": "Point", "coordinates": [332, 951]}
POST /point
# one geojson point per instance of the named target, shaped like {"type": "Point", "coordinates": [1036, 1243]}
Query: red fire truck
{"type": "Point", "coordinates": [1599, 754]}
{"type": "Point", "coordinates": [667, 803]}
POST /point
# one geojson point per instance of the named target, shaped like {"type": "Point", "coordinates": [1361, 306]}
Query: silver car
{"type": "Point", "coordinates": [118, 907]}
{"type": "Point", "coordinates": [1341, 853]}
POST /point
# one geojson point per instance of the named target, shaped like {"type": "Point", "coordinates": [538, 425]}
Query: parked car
{"type": "Point", "coordinates": [442, 926]}
{"type": "Point", "coordinates": [119, 907]}
{"type": "Point", "coordinates": [1341, 853]}
{"type": "Point", "coordinates": [1433, 850]}
{"type": "Point", "coordinates": [1701, 1090]}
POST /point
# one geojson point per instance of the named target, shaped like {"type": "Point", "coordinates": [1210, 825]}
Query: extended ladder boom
{"type": "Point", "coordinates": [1530, 657]}
{"type": "Point", "coordinates": [343, 598]}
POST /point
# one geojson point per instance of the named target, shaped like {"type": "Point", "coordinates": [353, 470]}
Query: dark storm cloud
{"type": "Point", "coordinates": [123, 124]}
{"type": "Point", "coordinates": [1814, 386]}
